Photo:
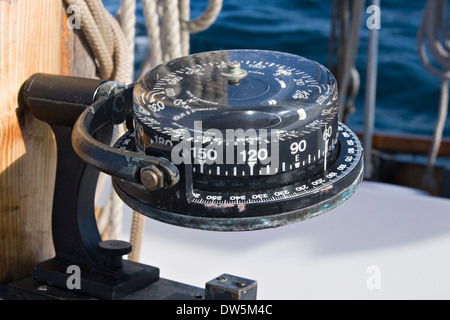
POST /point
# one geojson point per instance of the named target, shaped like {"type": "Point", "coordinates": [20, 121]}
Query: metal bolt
{"type": "Point", "coordinates": [42, 288]}
{"type": "Point", "coordinates": [234, 67]}
{"type": "Point", "coordinates": [241, 284]}
{"type": "Point", "coordinates": [234, 71]}
{"type": "Point", "coordinates": [113, 251]}
{"type": "Point", "coordinates": [152, 178]}
{"type": "Point", "coordinates": [221, 279]}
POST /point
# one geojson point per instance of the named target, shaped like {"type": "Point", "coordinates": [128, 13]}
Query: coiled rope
{"type": "Point", "coordinates": [433, 40]}
{"type": "Point", "coordinates": [112, 41]}
{"type": "Point", "coordinates": [105, 38]}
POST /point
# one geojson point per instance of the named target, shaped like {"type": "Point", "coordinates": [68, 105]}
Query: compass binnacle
{"type": "Point", "coordinates": [254, 135]}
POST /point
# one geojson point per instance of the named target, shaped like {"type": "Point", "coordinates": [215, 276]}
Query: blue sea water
{"type": "Point", "coordinates": [407, 94]}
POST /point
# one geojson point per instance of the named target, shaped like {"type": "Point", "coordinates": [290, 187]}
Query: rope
{"type": "Point", "coordinates": [206, 19]}
{"type": "Point", "coordinates": [434, 50]}
{"type": "Point", "coordinates": [137, 230]}
{"type": "Point", "coordinates": [333, 27]}
{"type": "Point", "coordinates": [346, 17]}
{"type": "Point", "coordinates": [105, 39]}
{"type": "Point", "coordinates": [185, 14]}
{"type": "Point", "coordinates": [127, 20]}
{"type": "Point", "coordinates": [154, 57]}
{"type": "Point", "coordinates": [348, 72]}
{"type": "Point", "coordinates": [94, 38]}
{"type": "Point", "coordinates": [175, 26]}
{"type": "Point", "coordinates": [123, 71]}
{"type": "Point", "coordinates": [171, 30]}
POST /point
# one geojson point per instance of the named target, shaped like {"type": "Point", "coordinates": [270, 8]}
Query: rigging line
{"type": "Point", "coordinates": [185, 14]}
{"type": "Point", "coordinates": [150, 11]}
{"type": "Point", "coordinates": [127, 20]}
{"type": "Point", "coordinates": [435, 57]}
{"type": "Point", "coordinates": [208, 17]}
{"type": "Point", "coordinates": [348, 50]}
{"type": "Point", "coordinates": [170, 25]}
{"type": "Point", "coordinates": [332, 40]}
{"type": "Point", "coordinates": [370, 98]}
{"type": "Point", "coordinates": [99, 27]}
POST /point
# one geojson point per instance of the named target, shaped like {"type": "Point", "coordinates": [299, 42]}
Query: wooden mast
{"type": "Point", "coordinates": [34, 37]}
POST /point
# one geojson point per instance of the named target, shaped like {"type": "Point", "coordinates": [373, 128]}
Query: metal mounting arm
{"type": "Point", "coordinates": [81, 113]}
{"type": "Point", "coordinates": [59, 101]}
{"type": "Point", "coordinates": [126, 165]}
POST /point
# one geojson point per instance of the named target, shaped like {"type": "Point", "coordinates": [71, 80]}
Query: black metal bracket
{"type": "Point", "coordinates": [121, 164]}
{"type": "Point", "coordinates": [75, 234]}
{"type": "Point", "coordinates": [76, 109]}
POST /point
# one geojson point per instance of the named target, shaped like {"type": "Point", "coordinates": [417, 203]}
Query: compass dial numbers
{"type": "Point", "coordinates": [288, 102]}
{"type": "Point", "coordinates": [349, 157]}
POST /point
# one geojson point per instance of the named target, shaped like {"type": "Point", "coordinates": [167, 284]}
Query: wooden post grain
{"type": "Point", "coordinates": [34, 37]}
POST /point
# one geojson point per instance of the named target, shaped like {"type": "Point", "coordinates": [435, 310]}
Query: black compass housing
{"type": "Point", "coordinates": [281, 103]}
{"type": "Point", "coordinates": [254, 135]}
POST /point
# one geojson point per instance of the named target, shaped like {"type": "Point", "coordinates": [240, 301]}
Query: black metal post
{"type": "Point", "coordinates": [59, 101]}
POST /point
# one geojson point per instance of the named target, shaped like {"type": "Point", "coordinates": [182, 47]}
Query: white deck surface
{"type": "Point", "coordinates": [385, 242]}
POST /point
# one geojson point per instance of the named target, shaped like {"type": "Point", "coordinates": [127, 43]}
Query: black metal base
{"type": "Point", "coordinates": [81, 256]}
{"type": "Point", "coordinates": [224, 287]}
{"type": "Point", "coordinates": [30, 289]}
{"type": "Point", "coordinates": [102, 284]}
